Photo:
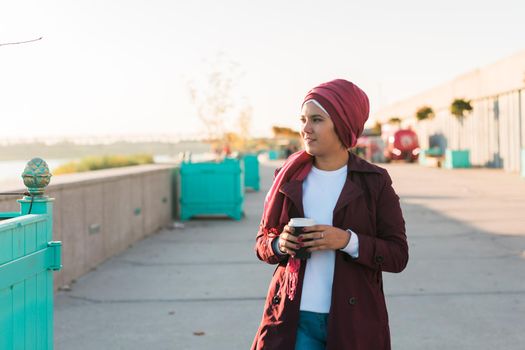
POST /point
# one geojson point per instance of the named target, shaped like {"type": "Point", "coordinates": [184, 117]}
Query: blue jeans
{"type": "Point", "coordinates": [311, 333]}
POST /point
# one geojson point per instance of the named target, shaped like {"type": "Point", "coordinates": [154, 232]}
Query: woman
{"type": "Point", "coordinates": [334, 299]}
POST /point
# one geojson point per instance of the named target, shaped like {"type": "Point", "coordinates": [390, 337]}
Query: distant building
{"type": "Point", "coordinates": [495, 130]}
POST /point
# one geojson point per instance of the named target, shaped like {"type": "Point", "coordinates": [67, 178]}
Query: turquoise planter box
{"type": "Point", "coordinates": [457, 159]}
{"type": "Point", "coordinates": [430, 157]}
{"type": "Point", "coordinates": [251, 172]}
{"type": "Point", "coordinates": [272, 155]}
{"type": "Point", "coordinates": [212, 189]}
{"type": "Point", "coordinates": [523, 162]}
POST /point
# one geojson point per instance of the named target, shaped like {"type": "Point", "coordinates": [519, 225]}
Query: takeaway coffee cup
{"type": "Point", "coordinates": [298, 224]}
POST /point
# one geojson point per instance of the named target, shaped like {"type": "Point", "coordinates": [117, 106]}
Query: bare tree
{"type": "Point", "coordinates": [214, 101]}
{"type": "Point", "coordinates": [245, 120]}
{"type": "Point", "coordinates": [20, 42]}
{"type": "Point", "coordinates": [244, 123]}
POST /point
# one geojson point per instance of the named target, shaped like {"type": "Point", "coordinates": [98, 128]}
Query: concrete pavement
{"type": "Point", "coordinates": [202, 287]}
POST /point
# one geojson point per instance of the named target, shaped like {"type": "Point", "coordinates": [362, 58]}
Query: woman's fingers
{"type": "Point", "coordinates": [315, 243]}
{"type": "Point", "coordinates": [331, 238]}
{"type": "Point", "coordinates": [289, 243]}
{"type": "Point", "coordinates": [312, 235]}
{"type": "Point", "coordinates": [284, 242]}
{"type": "Point", "coordinates": [315, 228]}
{"type": "Point", "coordinates": [287, 234]}
{"type": "Point", "coordinates": [287, 247]}
{"type": "Point", "coordinates": [313, 238]}
{"type": "Point", "coordinates": [314, 232]}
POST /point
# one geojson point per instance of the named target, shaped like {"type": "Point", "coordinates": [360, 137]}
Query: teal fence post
{"type": "Point", "coordinates": [28, 256]}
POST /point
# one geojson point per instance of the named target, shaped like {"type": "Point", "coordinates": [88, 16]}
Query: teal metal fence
{"type": "Point", "coordinates": [28, 257]}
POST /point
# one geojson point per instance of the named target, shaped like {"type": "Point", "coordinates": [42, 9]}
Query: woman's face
{"type": "Point", "coordinates": [317, 131]}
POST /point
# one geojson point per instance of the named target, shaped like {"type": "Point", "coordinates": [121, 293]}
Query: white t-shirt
{"type": "Point", "coordinates": [321, 190]}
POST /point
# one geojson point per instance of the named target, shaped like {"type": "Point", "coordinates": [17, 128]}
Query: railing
{"type": "Point", "coordinates": [28, 257]}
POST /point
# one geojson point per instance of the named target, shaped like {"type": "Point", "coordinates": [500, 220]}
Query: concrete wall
{"type": "Point", "coordinates": [100, 213]}
{"type": "Point", "coordinates": [495, 130]}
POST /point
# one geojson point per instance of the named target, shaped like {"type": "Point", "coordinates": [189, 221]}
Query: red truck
{"type": "Point", "coordinates": [402, 145]}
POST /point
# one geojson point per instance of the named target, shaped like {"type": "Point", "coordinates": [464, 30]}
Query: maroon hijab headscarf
{"type": "Point", "coordinates": [348, 107]}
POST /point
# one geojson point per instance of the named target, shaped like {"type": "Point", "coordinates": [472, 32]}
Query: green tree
{"type": "Point", "coordinates": [424, 113]}
{"type": "Point", "coordinates": [460, 108]}
{"type": "Point", "coordinates": [394, 120]}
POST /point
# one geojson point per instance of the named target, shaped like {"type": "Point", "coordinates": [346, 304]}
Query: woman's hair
{"type": "Point", "coordinates": [317, 104]}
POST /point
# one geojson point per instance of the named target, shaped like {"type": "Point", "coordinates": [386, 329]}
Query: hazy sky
{"type": "Point", "coordinates": [122, 66]}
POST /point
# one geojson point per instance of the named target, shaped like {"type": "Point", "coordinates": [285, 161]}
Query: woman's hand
{"type": "Point", "coordinates": [288, 243]}
{"type": "Point", "coordinates": [324, 237]}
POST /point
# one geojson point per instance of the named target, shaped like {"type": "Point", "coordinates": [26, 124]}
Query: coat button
{"type": "Point", "coordinates": [379, 259]}
{"type": "Point", "coordinates": [276, 300]}
{"type": "Point", "coordinates": [352, 301]}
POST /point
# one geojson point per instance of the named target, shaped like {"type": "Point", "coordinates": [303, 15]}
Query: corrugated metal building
{"type": "Point", "coordinates": [494, 131]}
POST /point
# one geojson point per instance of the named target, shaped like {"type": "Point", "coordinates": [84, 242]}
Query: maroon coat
{"type": "Point", "coordinates": [358, 318]}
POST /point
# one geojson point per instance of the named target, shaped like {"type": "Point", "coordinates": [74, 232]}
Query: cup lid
{"type": "Point", "coordinates": [301, 222]}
